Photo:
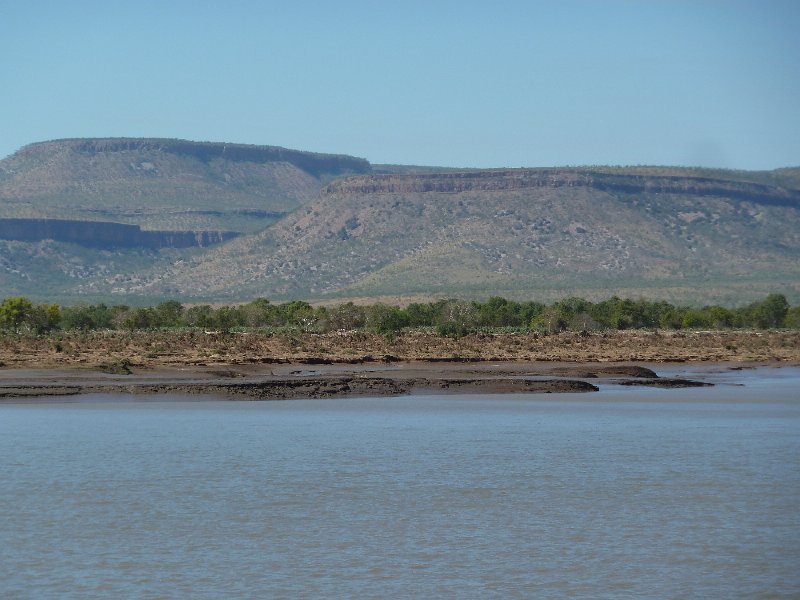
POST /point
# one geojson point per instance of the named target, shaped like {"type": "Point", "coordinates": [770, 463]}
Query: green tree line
{"type": "Point", "coordinates": [451, 317]}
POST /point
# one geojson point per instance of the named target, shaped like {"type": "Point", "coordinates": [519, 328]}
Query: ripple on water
{"type": "Point", "coordinates": [673, 495]}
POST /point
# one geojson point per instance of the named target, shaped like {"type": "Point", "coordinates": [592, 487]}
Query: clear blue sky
{"type": "Point", "coordinates": [449, 83]}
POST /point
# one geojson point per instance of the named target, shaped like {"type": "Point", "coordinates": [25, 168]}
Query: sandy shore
{"type": "Point", "coordinates": [258, 366]}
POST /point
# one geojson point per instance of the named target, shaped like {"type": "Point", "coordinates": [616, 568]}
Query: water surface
{"type": "Point", "coordinates": [624, 493]}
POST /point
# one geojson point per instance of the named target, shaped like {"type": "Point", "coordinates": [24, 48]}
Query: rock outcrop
{"type": "Point", "coordinates": [107, 235]}
{"type": "Point", "coordinates": [522, 179]}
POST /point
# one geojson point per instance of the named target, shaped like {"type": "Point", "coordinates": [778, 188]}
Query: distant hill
{"type": "Point", "coordinates": [522, 233]}
{"type": "Point", "coordinates": [293, 224]}
{"type": "Point", "coordinates": [165, 184]}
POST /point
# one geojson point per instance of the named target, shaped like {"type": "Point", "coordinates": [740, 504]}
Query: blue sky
{"type": "Point", "coordinates": [477, 84]}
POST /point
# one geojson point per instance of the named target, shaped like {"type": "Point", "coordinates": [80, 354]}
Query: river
{"type": "Point", "coordinates": [624, 493]}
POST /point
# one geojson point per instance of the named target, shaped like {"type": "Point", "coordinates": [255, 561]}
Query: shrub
{"type": "Point", "coordinates": [14, 312]}
{"type": "Point", "coordinates": [452, 330]}
{"type": "Point", "coordinates": [385, 319]}
{"type": "Point", "coordinates": [88, 316]}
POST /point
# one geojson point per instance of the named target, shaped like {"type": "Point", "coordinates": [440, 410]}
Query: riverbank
{"type": "Point", "coordinates": [259, 366]}
{"type": "Point", "coordinates": [293, 381]}
{"type": "Point", "coordinates": [195, 348]}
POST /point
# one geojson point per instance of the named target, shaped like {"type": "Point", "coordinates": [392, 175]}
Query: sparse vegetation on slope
{"type": "Point", "coordinates": [519, 233]}
{"type": "Point", "coordinates": [681, 234]}
{"type": "Point", "coordinates": [165, 184]}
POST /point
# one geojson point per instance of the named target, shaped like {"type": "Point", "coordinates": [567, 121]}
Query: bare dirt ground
{"type": "Point", "coordinates": [198, 348]}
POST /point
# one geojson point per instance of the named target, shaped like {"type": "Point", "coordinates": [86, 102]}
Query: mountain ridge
{"type": "Point", "coordinates": [521, 238]}
{"type": "Point", "coordinates": [510, 179]}
{"type": "Point", "coordinates": [343, 227]}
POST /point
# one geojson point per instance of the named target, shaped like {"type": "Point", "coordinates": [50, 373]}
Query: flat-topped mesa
{"type": "Point", "coordinates": [519, 179]}
{"type": "Point", "coordinates": [312, 162]}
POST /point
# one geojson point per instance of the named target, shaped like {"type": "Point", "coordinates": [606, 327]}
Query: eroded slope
{"type": "Point", "coordinates": [521, 232]}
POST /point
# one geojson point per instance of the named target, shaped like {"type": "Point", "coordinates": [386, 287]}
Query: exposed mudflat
{"type": "Point", "coordinates": [288, 381]}
{"type": "Point", "coordinates": [260, 366]}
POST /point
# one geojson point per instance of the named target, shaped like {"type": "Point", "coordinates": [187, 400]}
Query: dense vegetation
{"type": "Point", "coordinates": [19, 315]}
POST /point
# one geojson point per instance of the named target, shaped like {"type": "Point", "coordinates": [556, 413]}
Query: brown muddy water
{"type": "Point", "coordinates": [623, 493]}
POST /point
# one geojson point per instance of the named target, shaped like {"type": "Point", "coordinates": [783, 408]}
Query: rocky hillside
{"type": "Point", "coordinates": [88, 216]}
{"type": "Point", "coordinates": [128, 219]}
{"type": "Point", "coordinates": [165, 184]}
{"type": "Point", "coordinates": [526, 232]}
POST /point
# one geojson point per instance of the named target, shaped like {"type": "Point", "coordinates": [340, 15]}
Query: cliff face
{"type": "Point", "coordinates": [531, 179]}
{"type": "Point", "coordinates": [106, 235]}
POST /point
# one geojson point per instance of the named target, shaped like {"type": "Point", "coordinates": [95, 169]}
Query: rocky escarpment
{"type": "Point", "coordinates": [103, 234]}
{"type": "Point", "coordinates": [521, 179]}
{"type": "Point", "coordinates": [318, 225]}
{"type": "Point", "coordinates": [314, 163]}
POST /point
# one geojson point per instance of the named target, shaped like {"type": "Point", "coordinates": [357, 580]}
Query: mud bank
{"type": "Point", "coordinates": [289, 381]}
